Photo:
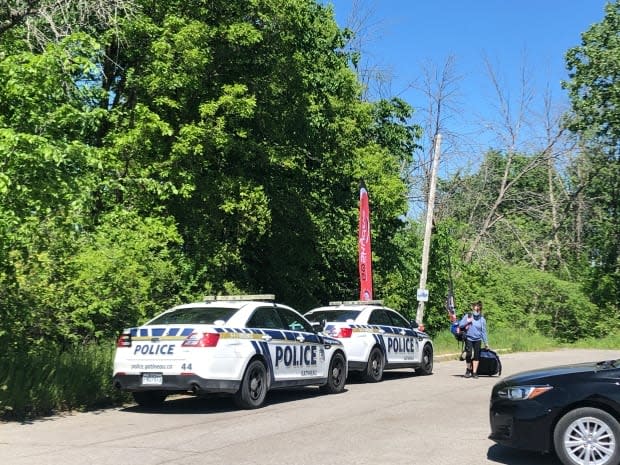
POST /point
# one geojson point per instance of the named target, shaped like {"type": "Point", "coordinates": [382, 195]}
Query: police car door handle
{"type": "Point", "coordinates": [403, 332]}
{"type": "Point", "coordinates": [300, 338]}
{"type": "Point", "coordinates": [266, 337]}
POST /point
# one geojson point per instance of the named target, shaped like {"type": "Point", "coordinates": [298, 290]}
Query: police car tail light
{"type": "Point", "coordinates": [201, 340]}
{"type": "Point", "coordinates": [344, 332]}
{"type": "Point", "coordinates": [124, 340]}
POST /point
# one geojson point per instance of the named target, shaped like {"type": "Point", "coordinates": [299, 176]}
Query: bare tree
{"type": "Point", "coordinates": [15, 12]}
{"type": "Point", "coordinates": [517, 133]}
{"type": "Point", "coordinates": [52, 20]}
{"type": "Point", "coordinates": [364, 29]}
{"type": "Point", "coordinates": [438, 86]}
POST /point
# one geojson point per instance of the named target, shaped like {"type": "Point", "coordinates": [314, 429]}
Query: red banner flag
{"type": "Point", "coordinates": [365, 253]}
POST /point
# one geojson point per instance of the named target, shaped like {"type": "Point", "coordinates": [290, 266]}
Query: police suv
{"type": "Point", "coordinates": [375, 337]}
{"type": "Point", "coordinates": [240, 345]}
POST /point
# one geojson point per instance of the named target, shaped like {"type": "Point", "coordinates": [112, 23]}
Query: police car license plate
{"type": "Point", "coordinates": [152, 378]}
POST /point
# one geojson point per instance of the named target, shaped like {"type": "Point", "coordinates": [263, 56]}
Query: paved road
{"type": "Point", "coordinates": [406, 419]}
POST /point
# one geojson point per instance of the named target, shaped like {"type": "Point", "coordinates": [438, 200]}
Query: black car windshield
{"type": "Point", "coordinates": [332, 315]}
{"type": "Point", "coordinates": [194, 316]}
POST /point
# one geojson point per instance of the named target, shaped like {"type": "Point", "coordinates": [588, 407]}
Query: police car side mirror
{"type": "Point", "coordinates": [414, 324]}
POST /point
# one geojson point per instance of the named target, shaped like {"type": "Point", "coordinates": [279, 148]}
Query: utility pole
{"type": "Point", "coordinates": [428, 229]}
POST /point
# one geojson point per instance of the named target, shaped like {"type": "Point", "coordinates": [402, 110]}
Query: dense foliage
{"type": "Point", "coordinates": [196, 147]}
{"type": "Point", "coordinates": [594, 89]}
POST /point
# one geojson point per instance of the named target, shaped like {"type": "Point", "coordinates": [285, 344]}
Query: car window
{"type": "Point", "coordinates": [379, 317]}
{"type": "Point", "coordinates": [265, 317]}
{"type": "Point", "coordinates": [332, 315]}
{"type": "Point", "coordinates": [398, 320]}
{"type": "Point", "coordinates": [193, 316]}
{"type": "Point", "coordinates": [293, 321]}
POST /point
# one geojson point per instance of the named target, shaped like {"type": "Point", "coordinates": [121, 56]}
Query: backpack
{"type": "Point", "coordinates": [461, 333]}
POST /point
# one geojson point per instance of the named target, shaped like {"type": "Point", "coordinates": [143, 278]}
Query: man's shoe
{"type": "Point", "coordinates": [467, 374]}
{"type": "Point", "coordinates": [475, 375]}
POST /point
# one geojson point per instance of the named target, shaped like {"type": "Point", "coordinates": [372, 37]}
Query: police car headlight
{"type": "Point", "coordinates": [523, 392]}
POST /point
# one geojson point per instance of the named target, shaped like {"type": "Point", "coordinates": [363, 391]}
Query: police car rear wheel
{"type": "Point", "coordinates": [149, 398]}
{"type": "Point", "coordinates": [374, 369]}
{"type": "Point", "coordinates": [427, 361]}
{"type": "Point", "coordinates": [253, 389]}
{"type": "Point", "coordinates": [336, 377]}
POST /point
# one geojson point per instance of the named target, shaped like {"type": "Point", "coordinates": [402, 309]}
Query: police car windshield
{"type": "Point", "coordinates": [194, 316]}
{"type": "Point", "coordinates": [332, 315]}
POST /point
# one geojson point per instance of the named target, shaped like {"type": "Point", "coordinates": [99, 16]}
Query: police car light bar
{"type": "Point", "coordinates": [268, 297]}
{"type": "Point", "coordinates": [356, 302]}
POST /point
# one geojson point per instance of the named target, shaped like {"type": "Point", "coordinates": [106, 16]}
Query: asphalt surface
{"type": "Point", "coordinates": [440, 419]}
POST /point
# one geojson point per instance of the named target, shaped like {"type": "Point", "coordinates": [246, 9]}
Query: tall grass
{"type": "Point", "coordinates": [512, 340]}
{"type": "Point", "coordinates": [610, 341]}
{"type": "Point", "coordinates": [39, 384]}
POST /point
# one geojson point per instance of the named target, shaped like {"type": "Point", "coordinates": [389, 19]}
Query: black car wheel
{"type": "Point", "coordinates": [336, 377]}
{"type": "Point", "coordinates": [253, 389]}
{"type": "Point", "coordinates": [374, 369]}
{"type": "Point", "coordinates": [149, 398]}
{"type": "Point", "coordinates": [587, 436]}
{"type": "Point", "coordinates": [427, 361]}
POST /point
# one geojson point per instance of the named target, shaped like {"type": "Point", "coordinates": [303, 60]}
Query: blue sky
{"type": "Point", "coordinates": [402, 36]}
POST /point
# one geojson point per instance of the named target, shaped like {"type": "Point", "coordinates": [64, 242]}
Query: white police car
{"type": "Point", "coordinates": [241, 345]}
{"type": "Point", "coordinates": [375, 337]}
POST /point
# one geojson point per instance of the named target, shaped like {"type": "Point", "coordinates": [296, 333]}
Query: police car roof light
{"type": "Point", "coordinates": [267, 297]}
{"type": "Point", "coordinates": [356, 302]}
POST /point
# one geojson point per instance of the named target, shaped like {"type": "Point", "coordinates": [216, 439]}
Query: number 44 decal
{"type": "Point", "coordinates": [186, 367]}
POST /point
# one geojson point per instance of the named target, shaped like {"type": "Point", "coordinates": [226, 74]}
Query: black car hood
{"type": "Point", "coordinates": [531, 376]}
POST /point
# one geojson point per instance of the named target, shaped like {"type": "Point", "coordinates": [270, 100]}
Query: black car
{"type": "Point", "coordinates": [573, 410]}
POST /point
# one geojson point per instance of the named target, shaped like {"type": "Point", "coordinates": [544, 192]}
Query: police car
{"type": "Point", "coordinates": [238, 345]}
{"type": "Point", "coordinates": [375, 337]}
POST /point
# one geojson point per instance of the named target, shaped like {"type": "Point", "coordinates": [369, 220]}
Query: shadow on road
{"type": "Point", "coordinates": [356, 378]}
{"type": "Point", "coordinates": [181, 404]}
{"type": "Point", "coordinates": [510, 456]}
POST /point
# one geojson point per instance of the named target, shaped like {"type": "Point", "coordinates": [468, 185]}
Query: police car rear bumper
{"type": "Point", "coordinates": [176, 383]}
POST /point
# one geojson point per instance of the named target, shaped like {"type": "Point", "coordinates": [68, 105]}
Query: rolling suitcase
{"type": "Point", "coordinates": [490, 364]}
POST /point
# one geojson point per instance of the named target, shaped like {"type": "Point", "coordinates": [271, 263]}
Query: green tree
{"type": "Point", "coordinates": [45, 159]}
{"type": "Point", "coordinates": [195, 148]}
{"type": "Point", "coordinates": [594, 90]}
{"type": "Point", "coordinates": [244, 122]}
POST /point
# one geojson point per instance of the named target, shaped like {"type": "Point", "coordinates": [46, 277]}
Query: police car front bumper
{"type": "Point", "coordinates": [176, 383]}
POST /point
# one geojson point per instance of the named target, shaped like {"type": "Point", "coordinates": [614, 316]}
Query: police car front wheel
{"type": "Point", "coordinates": [336, 377]}
{"type": "Point", "coordinates": [427, 361]}
{"type": "Point", "coordinates": [253, 389]}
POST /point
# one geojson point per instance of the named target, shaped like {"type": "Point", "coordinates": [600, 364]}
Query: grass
{"type": "Point", "coordinates": [35, 385]}
{"type": "Point", "coordinates": [519, 341]}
